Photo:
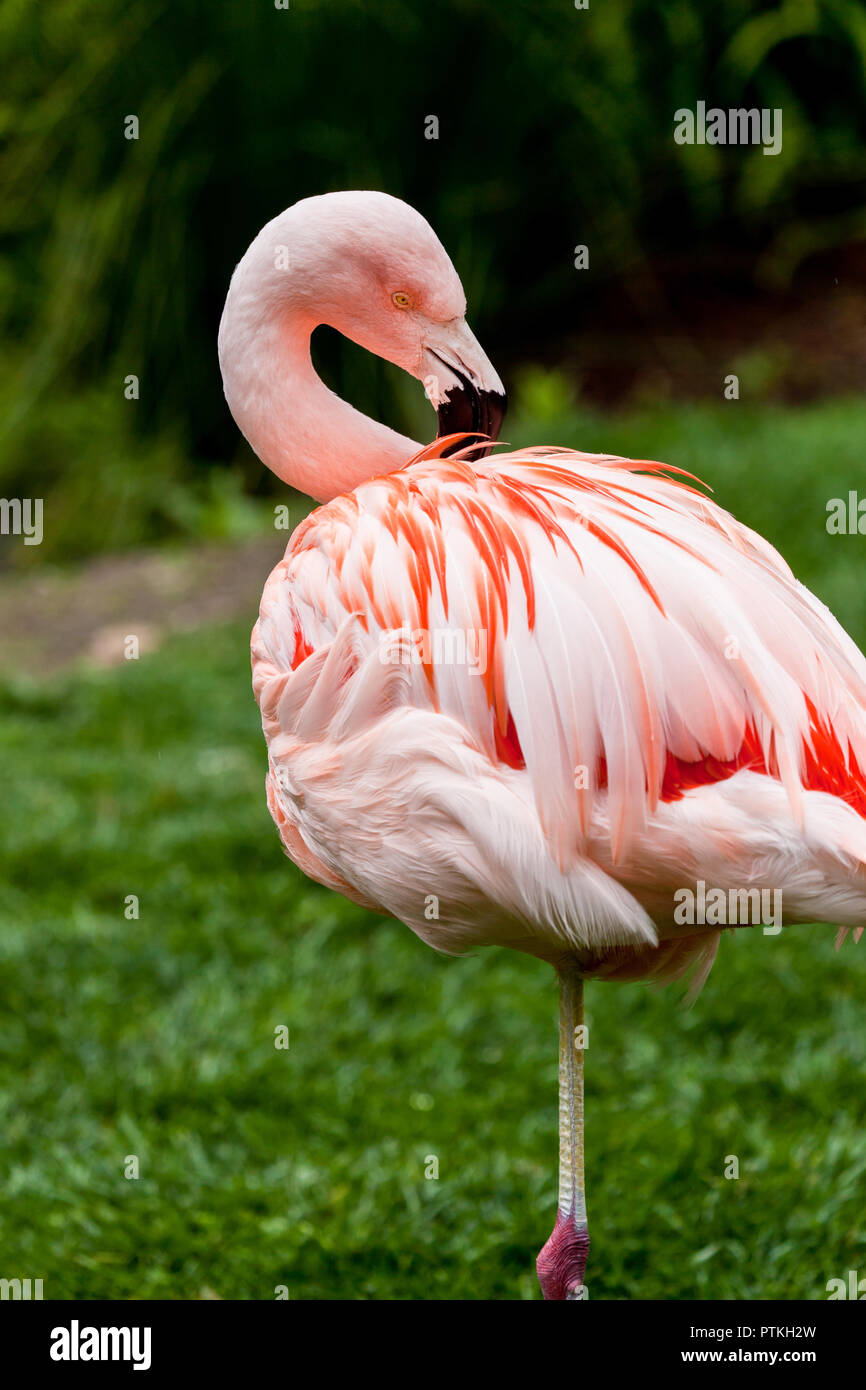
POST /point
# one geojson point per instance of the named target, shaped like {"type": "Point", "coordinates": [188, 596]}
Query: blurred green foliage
{"type": "Point", "coordinates": [555, 128]}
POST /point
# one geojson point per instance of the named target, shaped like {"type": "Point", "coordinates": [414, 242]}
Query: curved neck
{"type": "Point", "coordinates": [300, 429]}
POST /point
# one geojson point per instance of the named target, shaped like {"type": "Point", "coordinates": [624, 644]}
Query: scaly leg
{"type": "Point", "coordinates": [562, 1261]}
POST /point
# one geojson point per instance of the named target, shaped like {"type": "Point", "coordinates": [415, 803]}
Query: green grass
{"type": "Point", "coordinates": [306, 1167]}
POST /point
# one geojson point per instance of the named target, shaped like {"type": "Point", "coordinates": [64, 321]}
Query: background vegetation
{"type": "Point", "coordinates": [556, 128]}
{"type": "Point", "coordinates": [154, 1036]}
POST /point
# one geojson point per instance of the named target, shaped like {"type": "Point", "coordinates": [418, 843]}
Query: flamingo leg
{"type": "Point", "coordinates": [562, 1261]}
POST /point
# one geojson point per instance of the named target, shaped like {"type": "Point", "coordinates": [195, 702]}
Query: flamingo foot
{"type": "Point", "coordinates": [562, 1261]}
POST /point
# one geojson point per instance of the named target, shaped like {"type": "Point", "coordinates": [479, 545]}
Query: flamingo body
{"type": "Point", "coordinates": [524, 700]}
{"type": "Point", "coordinates": [613, 620]}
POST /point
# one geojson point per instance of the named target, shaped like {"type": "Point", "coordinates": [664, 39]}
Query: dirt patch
{"type": "Point", "coordinates": [51, 619]}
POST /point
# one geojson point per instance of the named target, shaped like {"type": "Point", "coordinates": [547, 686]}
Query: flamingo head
{"type": "Point", "coordinates": [369, 266]}
{"type": "Point", "coordinates": [379, 275]}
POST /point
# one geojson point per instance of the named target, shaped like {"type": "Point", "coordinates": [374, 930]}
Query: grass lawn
{"type": "Point", "coordinates": [306, 1167]}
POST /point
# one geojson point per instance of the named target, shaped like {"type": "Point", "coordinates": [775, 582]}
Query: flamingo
{"type": "Point", "coordinates": [525, 699]}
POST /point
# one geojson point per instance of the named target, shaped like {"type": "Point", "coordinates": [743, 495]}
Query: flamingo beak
{"type": "Point", "coordinates": [471, 410]}
{"type": "Point", "coordinates": [468, 394]}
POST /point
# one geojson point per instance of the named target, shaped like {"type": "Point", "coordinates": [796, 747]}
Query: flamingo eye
{"type": "Point", "coordinates": [401, 299]}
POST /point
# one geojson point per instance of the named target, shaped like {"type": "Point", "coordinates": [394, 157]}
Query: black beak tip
{"type": "Point", "coordinates": [472, 411]}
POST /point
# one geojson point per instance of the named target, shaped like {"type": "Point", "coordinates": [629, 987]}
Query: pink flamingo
{"type": "Point", "coordinates": [531, 700]}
